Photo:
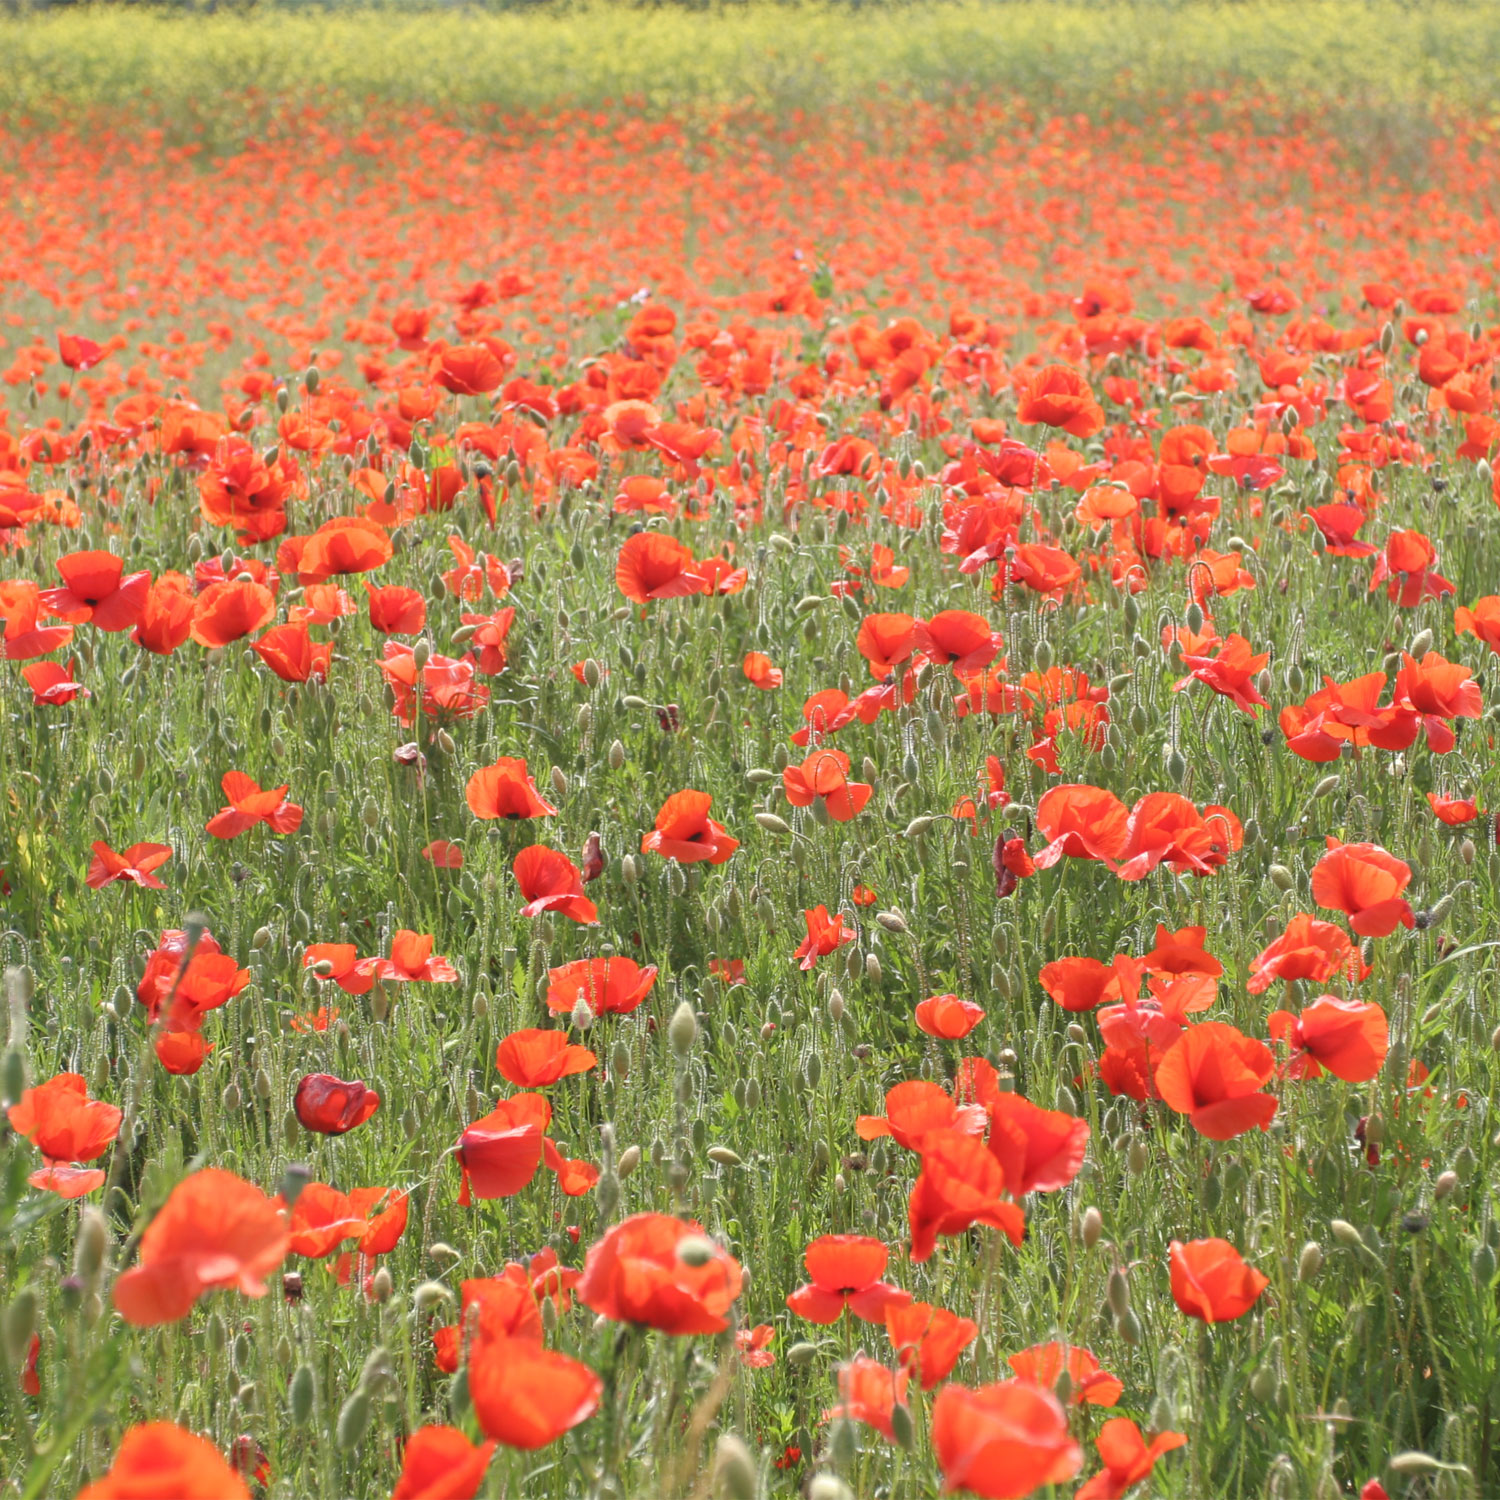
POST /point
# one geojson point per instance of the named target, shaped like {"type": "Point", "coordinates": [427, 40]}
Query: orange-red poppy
{"type": "Point", "coordinates": [845, 1271]}
{"type": "Point", "coordinates": [550, 881]}
{"type": "Point", "coordinates": [684, 831]}
{"type": "Point", "coordinates": [1364, 881]}
{"type": "Point", "coordinates": [1212, 1282]}
{"type": "Point", "coordinates": [639, 1273]}
{"type": "Point", "coordinates": [1213, 1074]}
{"type": "Point", "coordinates": [160, 1459]}
{"type": "Point", "coordinates": [440, 1463]}
{"type": "Point", "coordinates": [1127, 1458]}
{"type": "Point", "coordinates": [249, 805]}
{"type": "Point", "coordinates": [1348, 1038]}
{"type": "Point", "coordinates": [536, 1058]}
{"type": "Point", "coordinates": [1002, 1441]}
{"type": "Point", "coordinates": [506, 790]}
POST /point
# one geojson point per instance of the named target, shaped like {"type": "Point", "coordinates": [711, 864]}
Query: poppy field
{"type": "Point", "coordinates": [710, 791]}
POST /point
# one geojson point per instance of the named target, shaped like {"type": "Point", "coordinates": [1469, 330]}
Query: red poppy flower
{"type": "Point", "coordinates": [53, 684]}
{"type": "Point", "coordinates": [845, 1271]}
{"type": "Point", "coordinates": [550, 881]}
{"type": "Point", "coordinates": [760, 672]}
{"type": "Point", "coordinates": [506, 1306]}
{"type": "Point", "coordinates": [1213, 1075]}
{"type": "Point", "coordinates": [1308, 949]}
{"type": "Point", "coordinates": [1002, 1441]}
{"type": "Point", "coordinates": [1349, 1038]}
{"type": "Point", "coordinates": [1483, 621]}
{"type": "Point", "coordinates": [442, 854]}
{"type": "Point", "coordinates": [1045, 1364]}
{"type": "Point", "coordinates": [214, 1230]}
{"type": "Point", "coordinates": [525, 1396]}
{"type": "Point", "coordinates": [915, 1108]}
{"type": "Point", "coordinates": [440, 1463]}
{"type": "Point", "coordinates": [685, 832]}
{"type": "Point", "coordinates": [869, 1392]}
{"type": "Point", "coordinates": [292, 654]}
{"type": "Point", "coordinates": [97, 591]}
{"type": "Point", "coordinates": [1127, 1458]}
{"type": "Point", "coordinates": [653, 565]}
{"type": "Point", "coordinates": [948, 1017]}
{"type": "Point", "coordinates": [77, 352]}
{"type": "Point", "coordinates": [226, 612]}
{"type": "Point", "coordinates": [395, 610]}
{"type": "Point", "coordinates": [959, 1185]}
{"type": "Point", "coordinates": [249, 805]}
{"type": "Point", "coordinates": [344, 966]}
{"type": "Point", "coordinates": [1366, 882]}
{"type": "Point", "coordinates": [1079, 984]}
{"type": "Point", "coordinates": [1211, 1281]}
{"type": "Point", "coordinates": [499, 1154]}
{"type": "Point", "coordinates": [1040, 1150]}
{"type": "Point", "coordinates": [322, 1219]}
{"type": "Point", "coordinates": [825, 935]}
{"type": "Point", "coordinates": [928, 1340]}
{"type": "Point", "coordinates": [608, 986]}
{"type": "Point", "coordinates": [824, 776]}
{"type": "Point", "coordinates": [754, 1345]}
{"type": "Point", "coordinates": [1453, 811]}
{"type": "Point", "coordinates": [662, 1272]}
{"type": "Point", "coordinates": [181, 1052]}
{"type": "Point", "coordinates": [1438, 691]}
{"type": "Point", "coordinates": [136, 866]}
{"type": "Point", "coordinates": [957, 637]}
{"type": "Point", "coordinates": [159, 1458]}
{"type": "Point", "coordinates": [343, 545]}
{"type": "Point", "coordinates": [1165, 828]}
{"type": "Point", "coordinates": [412, 961]}
{"type": "Point", "coordinates": [1081, 822]}
{"type": "Point", "coordinates": [534, 1059]}
{"type": "Point", "coordinates": [506, 790]}
{"type": "Point", "coordinates": [333, 1106]}
{"type": "Point", "coordinates": [166, 618]}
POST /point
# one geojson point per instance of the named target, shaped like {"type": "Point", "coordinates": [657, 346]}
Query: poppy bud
{"type": "Point", "coordinates": [724, 1156]}
{"type": "Point", "coordinates": [214, 1329]}
{"type": "Point", "coordinates": [381, 1285]}
{"type": "Point", "coordinates": [231, 1097]}
{"type": "Point", "coordinates": [1090, 1227]}
{"type": "Point", "coordinates": [91, 1245]}
{"type": "Point", "coordinates": [1412, 1462]}
{"type": "Point", "coordinates": [300, 1394]}
{"type": "Point", "coordinates": [354, 1419]}
{"type": "Point", "coordinates": [734, 1468]}
{"type": "Point", "coordinates": [1422, 644]}
{"type": "Point", "coordinates": [1326, 787]}
{"type": "Point", "coordinates": [771, 823]}
{"type": "Point", "coordinates": [12, 1076]}
{"type": "Point", "coordinates": [779, 759]}
{"type": "Point", "coordinates": [1346, 1234]}
{"type": "Point", "coordinates": [682, 1029]}
{"type": "Point", "coordinates": [1137, 1158]}
{"type": "Point", "coordinates": [1176, 765]}
{"type": "Point", "coordinates": [830, 1486]}
{"type": "Point", "coordinates": [1129, 1328]}
{"type": "Point", "coordinates": [901, 1425]}
{"type": "Point", "coordinates": [1119, 1292]}
{"type": "Point", "coordinates": [1281, 877]}
{"type": "Point", "coordinates": [630, 1159]}
{"type": "Point", "coordinates": [1310, 1262]}
{"type": "Point", "coordinates": [1445, 1184]}
{"type": "Point", "coordinates": [1482, 1265]}
{"type": "Point", "coordinates": [892, 921]}
{"type": "Point", "coordinates": [836, 1005]}
{"type": "Point", "coordinates": [843, 1444]}
{"type": "Point", "coordinates": [1263, 1384]}
{"type": "Point", "coordinates": [429, 1295]}
{"type": "Point", "coordinates": [19, 1324]}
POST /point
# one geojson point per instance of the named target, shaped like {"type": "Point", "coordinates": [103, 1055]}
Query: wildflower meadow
{"type": "Point", "coordinates": [750, 752]}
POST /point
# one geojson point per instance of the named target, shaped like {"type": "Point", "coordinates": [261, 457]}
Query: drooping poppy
{"type": "Point", "coordinates": [536, 1058]}
{"type": "Point", "coordinates": [1040, 1150]}
{"type": "Point", "coordinates": [845, 1271]}
{"type": "Point", "coordinates": [215, 1230]}
{"type": "Point", "coordinates": [1212, 1282]}
{"type": "Point", "coordinates": [1002, 1441]}
{"type": "Point", "coordinates": [52, 684]}
{"type": "Point", "coordinates": [333, 1106]}
{"type": "Point", "coordinates": [915, 1108]}
{"type": "Point", "coordinates": [1081, 822]}
{"type": "Point", "coordinates": [1213, 1074]}
{"type": "Point", "coordinates": [685, 832]}
{"type": "Point", "coordinates": [663, 1272]}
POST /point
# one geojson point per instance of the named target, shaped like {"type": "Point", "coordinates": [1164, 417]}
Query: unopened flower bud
{"type": "Point", "coordinates": [1090, 1227]}
{"type": "Point", "coordinates": [734, 1468]}
{"type": "Point", "coordinates": [1310, 1262]}
{"type": "Point", "coordinates": [682, 1029]}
